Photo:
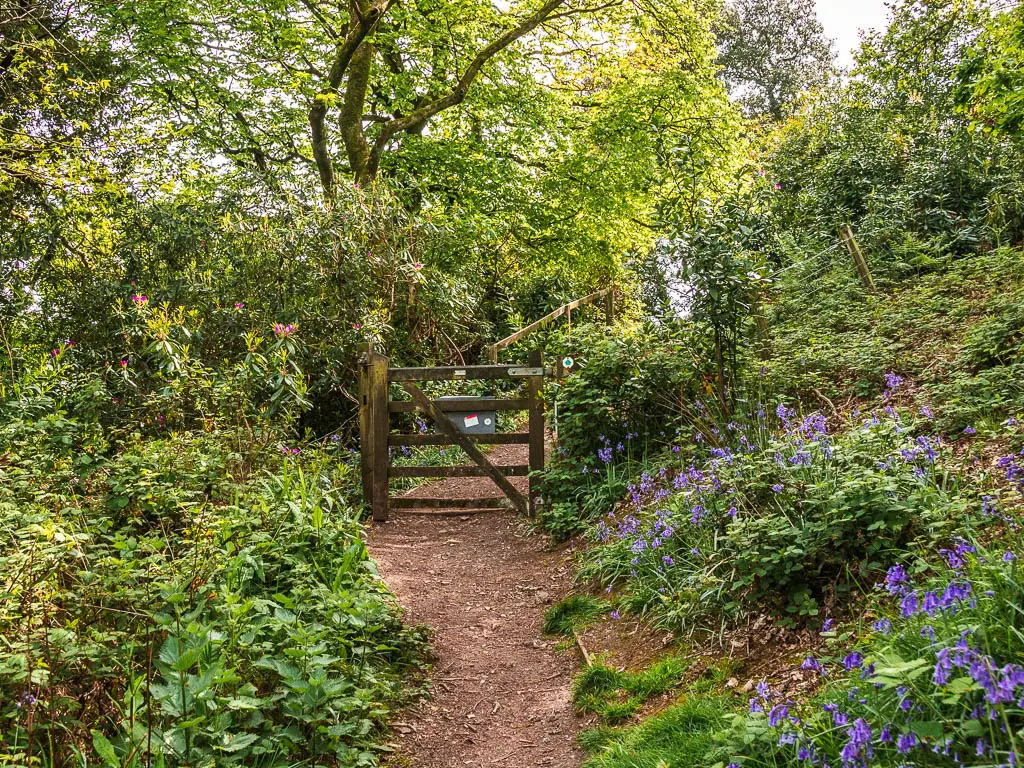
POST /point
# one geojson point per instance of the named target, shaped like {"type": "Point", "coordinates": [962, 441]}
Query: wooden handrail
{"type": "Point", "coordinates": [609, 293]}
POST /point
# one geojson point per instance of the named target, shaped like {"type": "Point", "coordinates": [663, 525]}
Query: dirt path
{"type": "Point", "coordinates": [500, 692]}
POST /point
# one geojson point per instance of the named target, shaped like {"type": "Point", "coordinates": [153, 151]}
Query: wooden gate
{"type": "Point", "coordinates": [376, 409]}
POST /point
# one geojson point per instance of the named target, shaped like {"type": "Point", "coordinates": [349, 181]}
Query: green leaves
{"type": "Point", "coordinates": [105, 750]}
{"type": "Point", "coordinates": [217, 631]}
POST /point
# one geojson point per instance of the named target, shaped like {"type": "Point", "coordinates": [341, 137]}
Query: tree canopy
{"type": "Point", "coordinates": [771, 51]}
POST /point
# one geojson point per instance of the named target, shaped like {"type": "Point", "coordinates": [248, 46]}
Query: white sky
{"type": "Point", "coordinates": [843, 18]}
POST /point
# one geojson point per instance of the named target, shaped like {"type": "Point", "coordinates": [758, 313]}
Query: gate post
{"type": "Point", "coordinates": [377, 425]}
{"type": "Point", "coordinates": [365, 420]}
{"type": "Point", "coordinates": [536, 385]}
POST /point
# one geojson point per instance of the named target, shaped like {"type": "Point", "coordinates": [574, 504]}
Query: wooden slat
{"type": "Point", "coordinates": [412, 502]}
{"type": "Point", "coordinates": [454, 373]}
{"type": "Point", "coordinates": [466, 444]}
{"type": "Point", "coordinates": [450, 512]}
{"type": "Point", "coordinates": [463, 404]}
{"type": "Point", "coordinates": [502, 438]}
{"type": "Point", "coordinates": [459, 470]}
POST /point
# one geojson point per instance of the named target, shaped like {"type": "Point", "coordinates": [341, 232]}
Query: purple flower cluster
{"type": "Point", "coordinates": [1002, 685]}
{"type": "Point", "coordinates": [1012, 465]}
{"type": "Point", "coordinates": [892, 383]}
{"type": "Point", "coordinates": [933, 602]}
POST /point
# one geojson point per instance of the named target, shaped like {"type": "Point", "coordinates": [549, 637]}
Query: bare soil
{"type": "Point", "coordinates": [500, 691]}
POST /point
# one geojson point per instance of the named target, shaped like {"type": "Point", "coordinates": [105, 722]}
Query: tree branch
{"type": "Point", "coordinates": [362, 24]}
{"type": "Point", "coordinates": [458, 93]}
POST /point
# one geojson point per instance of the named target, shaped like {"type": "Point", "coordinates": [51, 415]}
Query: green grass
{"type": "Point", "coordinates": [574, 612]}
{"type": "Point", "coordinates": [617, 696]}
{"type": "Point", "coordinates": [681, 737]}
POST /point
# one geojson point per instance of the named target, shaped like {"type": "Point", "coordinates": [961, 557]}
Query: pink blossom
{"type": "Point", "coordinates": [124, 363]}
{"type": "Point", "coordinates": [139, 300]}
{"type": "Point", "coordinates": [239, 304]}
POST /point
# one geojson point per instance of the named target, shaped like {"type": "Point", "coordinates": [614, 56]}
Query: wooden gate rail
{"type": "Point", "coordinates": [375, 414]}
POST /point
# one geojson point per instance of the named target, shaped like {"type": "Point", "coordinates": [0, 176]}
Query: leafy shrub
{"type": "Point", "coordinates": [631, 393]}
{"type": "Point", "coordinates": [936, 680]}
{"type": "Point", "coordinates": [998, 340]}
{"type": "Point", "coordinates": [192, 598]}
{"type": "Point", "coordinates": [777, 521]}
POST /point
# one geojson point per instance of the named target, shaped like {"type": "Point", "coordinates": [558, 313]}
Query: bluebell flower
{"type": "Point", "coordinates": [892, 381]}
{"type": "Point", "coordinates": [859, 745]}
{"type": "Point", "coordinates": [908, 606]}
{"type": "Point", "coordinates": [778, 715]}
{"type": "Point", "coordinates": [896, 579]}
{"type": "Point", "coordinates": [906, 742]}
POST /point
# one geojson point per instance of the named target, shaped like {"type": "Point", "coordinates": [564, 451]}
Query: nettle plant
{"type": "Point", "coordinates": [783, 513]}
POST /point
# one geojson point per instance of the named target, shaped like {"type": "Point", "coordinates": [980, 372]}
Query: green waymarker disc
{"type": "Point", "coordinates": [568, 362]}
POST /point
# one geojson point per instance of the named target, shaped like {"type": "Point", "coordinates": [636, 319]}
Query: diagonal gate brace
{"type": "Point", "coordinates": [461, 440]}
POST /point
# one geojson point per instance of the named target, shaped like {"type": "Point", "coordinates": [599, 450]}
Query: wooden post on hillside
{"type": "Point", "coordinates": [609, 308]}
{"type": "Point", "coordinates": [378, 425]}
{"type": "Point", "coordinates": [536, 386]}
{"type": "Point", "coordinates": [858, 258]}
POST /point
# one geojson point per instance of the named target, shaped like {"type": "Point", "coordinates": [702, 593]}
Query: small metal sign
{"type": "Point", "coordinates": [568, 362]}
{"type": "Point", "coordinates": [460, 372]}
{"type": "Point", "coordinates": [526, 371]}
